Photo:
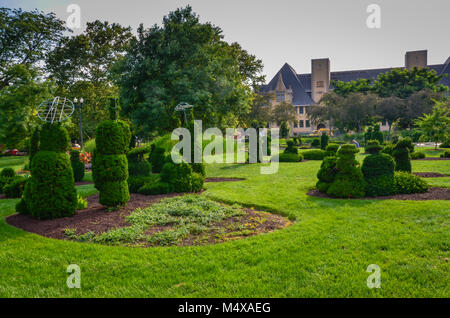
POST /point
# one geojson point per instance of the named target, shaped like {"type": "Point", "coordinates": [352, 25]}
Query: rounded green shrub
{"type": "Point", "coordinates": [178, 176]}
{"type": "Point", "coordinates": [378, 170]}
{"type": "Point", "coordinates": [349, 181]}
{"type": "Point", "coordinates": [199, 168]}
{"type": "Point", "coordinates": [157, 158]}
{"type": "Point", "coordinates": [373, 147]}
{"type": "Point", "coordinates": [446, 154]}
{"type": "Point", "coordinates": [8, 173]}
{"type": "Point", "coordinates": [324, 141]}
{"type": "Point", "coordinates": [331, 150]}
{"type": "Point", "coordinates": [388, 149]}
{"type": "Point", "coordinates": [197, 181]}
{"type": "Point", "coordinates": [315, 143]}
{"type": "Point", "coordinates": [417, 155]}
{"type": "Point", "coordinates": [401, 153]}
{"type": "Point", "coordinates": [77, 165]}
{"type": "Point", "coordinates": [290, 157]}
{"type": "Point", "coordinates": [407, 183]}
{"type": "Point", "coordinates": [314, 154]}
{"type": "Point", "coordinates": [15, 187]}
{"type": "Point", "coordinates": [326, 174]}
{"type": "Point", "coordinates": [110, 164]}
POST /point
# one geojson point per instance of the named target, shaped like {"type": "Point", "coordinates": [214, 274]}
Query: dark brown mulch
{"type": "Point", "coordinates": [430, 174]}
{"type": "Point", "coordinates": [223, 179]}
{"type": "Point", "coordinates": [433, 193]}
{"type": "Point", "coordinates": [434, 158]}
{"type": "Point", "coordinates": [95, 217]}
{"type": "Point", "coordinates": [78, 183]}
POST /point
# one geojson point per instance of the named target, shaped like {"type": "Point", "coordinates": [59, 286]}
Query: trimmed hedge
{"type": "Point", "coordinates": [177, 175]}
{"type": "Point", "coordinates": [373, 147]}
{"type": "Point", "coordinates": [331, 150]}
{"type": "Point", "coordinates": [136, 182]}
{"type": "Point", "coordinates": [197, 181]}
{"type": "Point", "coordinates": [290, 157]}
{"type": "Point", "coordinates": [77, 165]}
{"type": "Point", "coordinates": [407, 183]}
{"type": "Point", "coordinates": [378, 171]}
{"type": "Point", "coordinates": [315, 154]}
{"type": "Point", "coordinates": [417, 155]}
{"type": "Point", "coordinates": [109, 163]}
{"type": "Point", "coordinates": [315, 143]}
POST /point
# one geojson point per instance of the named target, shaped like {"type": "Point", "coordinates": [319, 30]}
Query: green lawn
{"type": "Point", "coordinates": [325, 253]}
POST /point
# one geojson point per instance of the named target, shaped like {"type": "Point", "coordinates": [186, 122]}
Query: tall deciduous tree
{"type": "Point", "coordinates": [437, 124]}
{"type": "Point", "coordinates": [185, 61]}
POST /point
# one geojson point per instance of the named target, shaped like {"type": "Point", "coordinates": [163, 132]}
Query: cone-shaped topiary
{"type": "Point", "coordinates": [50, 192]}
{"type": "Point", "coordinates": [109, 163]}
{"type": "Point", "coordinates": [378, 171]}
{"type": "Point", "coordinates": [401, 153]}
{"type": "Point", "coordinates": [77, 165]}
{"type": "Point", "coordinates": [349, 181]}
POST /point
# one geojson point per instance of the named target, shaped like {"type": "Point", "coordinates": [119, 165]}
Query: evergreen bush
{"type": "Point", "coordinates": [377, 134]}
{"type": "Point", "coordinates": [15, 188]}
{"type": "Point", "coordinates": [291, 148]}
{"type": "Point", "coordinates": [77, 165]}
{"type": "Point", "coordinates": [315, 143]}
{"type": "Point", "coordinates": [378, 170]}
{"type": "Point", "coordinates": [178, 176]}
{"type": "Point", "coordinates": [50, 192]}
{"type": "Point", "coordinates": [315, 154]}
{"type": "Point", "coordinates": [324, 141]}
{"type": "Point", "coordinates": [349, 181]}
{"type": "Point", "coordinates": [326, 174]}
{"type": "Point", "coordinates": [290, 157]}
{"type": "Point", "coordinates": [157, 157]}
{"type": "Point", "coordinates": [407, 183]}
{"type": "Point", "coordinates": [34, 144]}
{"type": "Point", "coordinates": [417, 155]}
{"type": "Point", "coordinates": [110, 164]}
{"type": "Point", "coordinates": [401, 153]}
{"type": "Point", "coordinates": [331, 150]}
{"type": "Point", "coordinates": [8, 173]}
{"type": "Point", "coordinates": [137, 165]}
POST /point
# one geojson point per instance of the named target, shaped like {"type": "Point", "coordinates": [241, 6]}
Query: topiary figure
{"type": "Point", "coordinates": [157, 157]}
{"type": "Point", "coordinates": [137, 165]}
{"type": "Point", "coordinates": [324, 141]}
{"type": "Point", "coordinates": [178, 176]}
{"type": "Point", "coordinates": [291, 148]}
{"type": "Point", "coordinates": [377, 134]}
{"type": "Point", "coordinates": [326, 174]}
{"type": "Point", "coordinates": [331, 150]}
{"type": "Point", "coordinates": [378, 170]}
{"type": "Point", "coordinates": [401, 153]}
{"type": "Point", "coordinates": [349, 181]}
{"type": "Point", "coordinates": [109, 163]}
{"type": "Point", "coordinates": [368, 136]}
{"type": "Point", "coordinates": [77, 165]}
{"type": "Point", "coordinates": [50, 192]}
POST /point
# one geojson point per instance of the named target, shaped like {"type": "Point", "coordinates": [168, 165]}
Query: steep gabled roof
{"type": "Point", "coordinates": [289, 78]}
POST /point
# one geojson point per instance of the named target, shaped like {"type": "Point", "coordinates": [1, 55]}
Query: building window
{"type": "Point", "coordinates": [320, 84]}
{"type": "Point", "coordinates": [301, 124]}
{"type": "Point", "coordinates": [301, 109]}
{"type": "Point", "coordinates": [280, 96]}
{"type": "Point", "coordinates": [295, 124]}
{"type": "Point", "coordinates": [307, 124]}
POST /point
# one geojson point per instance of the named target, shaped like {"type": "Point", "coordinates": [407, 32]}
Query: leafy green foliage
{"type": "Point", "coordinates": [15, 187]}
{"type": "Point", "coordinates": [417, 155]}
{"type": "Point", "coordinates": [315, 143]}
{"type": "Point", "coordinates": [290, 157]}
{"type": "Point", "coordinates": [110, 164]}
{"type": "Point", "coordinates": [331, 150]}
{"type": "Point", "coordinates": [446, 154]}
{"type": "Point", "coordinates": [154, 188]}
{"type": "Point", "coordinates": [77, 165]}
{"type": "Point", "coordinates": [314, 154]}
{"type": "Point", "coordinates": [157, 156]}
{"type": "Point", "coordinates": [401, 153]}
{"type": "Point", "coordinates": [178, 176]}
{"type": "Point", "coordinates": [81, 203]}
{"type": "Point", "coordinates": [136, 182]}
{"type": "Point", "coordinates": [326, 173]}
{"type": "Point", "coordinates": [137, 165]}
{"type": "Point", "coordinates": [8, 173]}
{"type": "Point", "coordinates": [373, 147]}
{"type": "Point", "coordinates": [378, 171]}
{"type": "Point", "coordinates": [348, 182]}
{"type": "Point", "coordinates": [324, 141]}
{"type": "Point", "coordinates": [436, 125]}
{"type": "Point", "coordinates": [34, 144]}
{"type": "Point", "coordinates": [291, 148]}
{"type": "Point", "coordinates": [407, 183]}
{"type": "Point", "coordinates": [54, 137]}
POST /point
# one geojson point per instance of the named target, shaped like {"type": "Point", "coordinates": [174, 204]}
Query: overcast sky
{"type": "Point", "coordinates": [293, 31]}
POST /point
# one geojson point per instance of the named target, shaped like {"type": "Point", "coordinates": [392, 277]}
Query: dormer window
{"type": "Point", "coordinates": [280, 96]}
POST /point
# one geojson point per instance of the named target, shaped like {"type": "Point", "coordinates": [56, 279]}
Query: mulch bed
{"type": "Point", "coordinates": [430, 174]}
{"type": "Point", "coordinates": [78, 183]}
{"type": "Point", "coordinates": [96, 218]}
{"type": "Point", "coordinates": [433, 193]}
{"type": "Point", "coordinates": [433, 158]}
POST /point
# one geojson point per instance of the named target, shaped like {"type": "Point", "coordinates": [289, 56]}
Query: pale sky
{"type": "Point", "coordinates": [293, 31]}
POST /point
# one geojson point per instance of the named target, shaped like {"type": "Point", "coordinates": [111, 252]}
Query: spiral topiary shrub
{"type": "Point", "coordinates": [349, 181]}
{"type": "Point", "coordinates": [50, 192]}
{"type": "Point", "coordinates": [401, 153]}
{"type": "Point", "coordinates": [77, 165]}
{"type": "Point", "coordinates": [378, 170]}
{"type": "Point", "coordinates": [110, 164]}
{"type": "Point", "coordinates": [326, 174]}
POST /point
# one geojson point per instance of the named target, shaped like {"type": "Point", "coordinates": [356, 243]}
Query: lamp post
{"type": "Point", "coordinates": [79, 106]}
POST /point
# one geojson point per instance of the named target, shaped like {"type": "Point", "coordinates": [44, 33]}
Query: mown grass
{"type": "Point", "coordinates": [325, 253]}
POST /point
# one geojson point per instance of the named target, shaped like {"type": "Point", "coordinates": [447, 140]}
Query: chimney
{"type": "Point", "coordinates": [416, 59]}
{"type": "Point", "coordinates": [320, 78]}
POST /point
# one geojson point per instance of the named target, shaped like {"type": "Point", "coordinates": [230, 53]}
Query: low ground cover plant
{"type": "Point", "coordinates": [175, 218]}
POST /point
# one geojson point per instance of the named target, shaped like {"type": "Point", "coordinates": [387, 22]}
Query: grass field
{"type": "Point", "coordinates": [325, 253]}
